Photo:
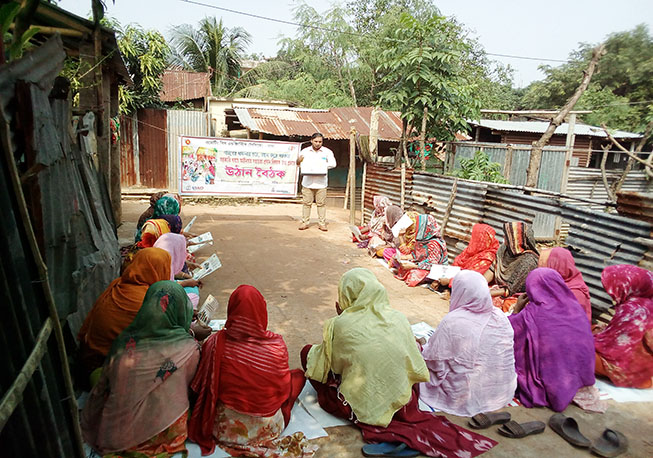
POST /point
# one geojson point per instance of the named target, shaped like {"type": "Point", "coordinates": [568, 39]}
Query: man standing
{"type": "Point", "coordinates": [316, 160]}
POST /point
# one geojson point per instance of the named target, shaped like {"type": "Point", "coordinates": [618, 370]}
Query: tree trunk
{"type": "Point", "coordinates": [604, 159]}
{"type": "Point", "coordinates": [536, 152]}
{"type": "Point", "coordinates": [374, 134]}
{"type": "Point", "coordinates": [648, 163]}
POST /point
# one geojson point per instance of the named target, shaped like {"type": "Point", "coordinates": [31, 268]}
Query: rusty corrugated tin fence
{"type": "Point", "coordinates": [597, 238]}
{"type": "Point", "coordinates": [149, 149]}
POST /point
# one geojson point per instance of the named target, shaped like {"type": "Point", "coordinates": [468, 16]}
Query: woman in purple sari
{"type": "Point", "coordinates": [554, 347]}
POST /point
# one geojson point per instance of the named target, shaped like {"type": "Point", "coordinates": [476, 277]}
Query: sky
{"type": "Point", "coordinates": [536, 29]}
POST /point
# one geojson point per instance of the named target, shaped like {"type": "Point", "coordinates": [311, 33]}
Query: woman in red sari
{"type": "Point", "coordinates": [245, 388]}
{"type": "Point", "coordinates": [481, 251]}
{"type": "Point", "coordinates": [561, 260]}
{"type": "Point", "coordinates": [624, 349]}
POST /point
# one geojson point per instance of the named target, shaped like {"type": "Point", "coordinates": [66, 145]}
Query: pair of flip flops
{"type": "Point", "coordinates": [391, 449]}
{"type": "Point", "coordinates": [611, 443]}
{"type": "Point", "coordinates": [509, 427]}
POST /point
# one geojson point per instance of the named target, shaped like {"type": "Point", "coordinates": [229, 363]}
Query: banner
{"type": "Point", "coordinates": [238, 167]}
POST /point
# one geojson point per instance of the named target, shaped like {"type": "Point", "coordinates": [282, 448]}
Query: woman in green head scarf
{"type": "Point", "coordinates": [140, 404]}
{"type": "Point", "coordinates": [367, 370]}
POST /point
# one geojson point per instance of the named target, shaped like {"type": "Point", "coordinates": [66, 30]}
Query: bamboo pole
{"type": "Point", "coordinates": [352, 176]}
{"type": "Point", "coordinates": [403, 185]}
{"type": "Point", "coordinates": [363, 193]}
{"type": "Point", "coordinates": [447, 213]}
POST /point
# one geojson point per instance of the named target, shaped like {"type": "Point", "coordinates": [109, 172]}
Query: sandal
{"type": "Point", "coordinates": [567, 428]}
{"type": "Point", "coordinates": [485, 420]}
{"type": "Point", "coordinates": [515, 430]}
{"type": "Point", "coordinates": [389, 449]}
{"type": "Point", "coordinates": [611, 443]}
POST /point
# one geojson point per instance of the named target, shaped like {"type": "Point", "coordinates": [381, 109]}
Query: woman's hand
{"type": "Point", "coordinates": [338, 309]}
{"type": "Point", "coordinates": [191, 282]}
{"type": "Point", "coordinates": [521, 303]}
{"type": "Point", "coordinates": [200, 331]}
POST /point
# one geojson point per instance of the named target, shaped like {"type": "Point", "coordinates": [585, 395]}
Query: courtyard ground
{"type": "Point", "coordinates": [298, 273]}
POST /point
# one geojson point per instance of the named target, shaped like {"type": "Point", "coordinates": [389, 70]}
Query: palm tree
{"type": "Point", "coordinates": [213, 48]}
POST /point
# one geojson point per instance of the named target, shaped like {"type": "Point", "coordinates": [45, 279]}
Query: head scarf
{"type": "Point", "coordinates": [371, 347]}
{"type": "Point", "coordinates": [470, 356]}
{"type": "Point", "coordinates": [166, 205]}
{"type": "Point", "coordinates": [481, 251]}
{"type": "Point", "coordinates": [244, 366]}
{"type": "Point", "coordinates": [562, 261]}
{"type": "Point", "coordinates": [175, 244]}
{"type": "Point", "coordinates": [625, 345]}
{"type": "Point", "coordinates": [516, 256]}
{"type": "Point", "coordinates": [147, 214]}
{"type": "Point", "coordinates": [391, 215]}
{"type": "Point", "coordinates": [554, 348]}
{"type": "Point", "coordinates": [143, 388]}
{"type": "Point", "coordinates": [378, 217]}
{"type": "Point", "coordinates": [116, 308]}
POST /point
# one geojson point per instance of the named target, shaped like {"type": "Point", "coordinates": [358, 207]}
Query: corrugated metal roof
{"type": "Point", "coordinates": [184, 85]}
{"type": "Point", "coordinates": [334, 124]}
{"type": "Point", "coordinates": [539, 127]}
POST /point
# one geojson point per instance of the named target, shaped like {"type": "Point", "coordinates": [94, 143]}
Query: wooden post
{"type": "Point", "coordinates": [352, 176]}
{"type": "Point", "coordinates": [403, 186]}
{"type": "Point", "coordinates": [508, 165]}
{"type": "Point", "coordinates": [374, 134]}
{"type": "Point", "coordinates": [569, 144]}
{"type": "Point", "coordinates": [422, 140]}
{"type": "Point", "coordinates": [363, 193]}
{"type": "Point", "coordinates": [447, 213]}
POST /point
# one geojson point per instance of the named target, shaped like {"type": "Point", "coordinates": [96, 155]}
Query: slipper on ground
{"type": "Point", "coordinates": [393, 449]}
{"type": "Point", "coordinates": [515, 430]}
{"type": "Point", "coordinates": [611, 443]}
{"type": "Point", "coordinates": [567, 428]}
{"type": "Point", "coordinates": [485, 420]}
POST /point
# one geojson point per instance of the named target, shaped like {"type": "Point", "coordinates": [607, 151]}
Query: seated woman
{"type": "Point", "coordinates": [561, 260]}
{"type": "Point", "coordinates": [139, 407]}
{"type": "Point", "coordinates": [516, 257]}
{"type": "Point", "coordinates": [155, 228]}
{"type": "Point", "coordinates": [386, 239]}
{"type": "Point", "coordinates": [375, 224]}
{"type": "Point", "coordinates": [368, 369]}
{"type": "Point", "coordinates": [554, 348]}
{"type": "Point", "coordinates": [421, 246]}
{"type": "Point", "coordinates": [245, 387]}
{"type": "Point", "coordinates": [175, 244]}
{"type": "Point", "coordinates": [118, 305]}
{"type": "Point", "coordinates": [624, 349]}
{"type": "Point", "coordinates": [470, 356]}
{"type": "Point", "coordinates": [161, 203]}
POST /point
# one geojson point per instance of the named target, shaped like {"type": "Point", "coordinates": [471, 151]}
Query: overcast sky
{"type": "Point", "coordinates": [537, 29]}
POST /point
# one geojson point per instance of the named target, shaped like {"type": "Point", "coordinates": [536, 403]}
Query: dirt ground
{"type": "Point", "coordinates": [298, 273]}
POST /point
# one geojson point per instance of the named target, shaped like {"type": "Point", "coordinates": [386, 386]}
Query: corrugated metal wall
{"type": "Point", "coordinates": [551, 170]}
{"type": "Point", "coordinates": [182, 122]}
{"type": "Point", "coordinates": [153, 148]}
{"type": "Point", "coordinates": [384, 181]}
{"type": "Point", "coordinates": [588, 184]}
{"type": "Point", "coordinates": [598, 239]}
{"type": "Point", "coordinates": [129, 175]}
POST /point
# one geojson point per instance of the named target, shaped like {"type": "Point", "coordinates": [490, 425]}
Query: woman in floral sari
{"type": "Point", "coordinates": [245, 388]}
{"type": "Point", "coordinates": [139, 407]}
{"type": "Point", "coordinates": [421, 246]}
{"type": "Point", "coordinates": [624, 349]}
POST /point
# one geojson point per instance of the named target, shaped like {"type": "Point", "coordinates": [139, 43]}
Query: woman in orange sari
{"type": "Point", "coordinates": [116, 308]}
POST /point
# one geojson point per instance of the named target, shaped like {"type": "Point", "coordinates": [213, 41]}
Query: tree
{"type": "Point", "coordinates": [213, 48]}
{"type": "Point", "coordinates": [423, 66]}
{"type": "Point", "coordinates": [145, 53]}
{"type": "Point", "coordinates": [619, 93]}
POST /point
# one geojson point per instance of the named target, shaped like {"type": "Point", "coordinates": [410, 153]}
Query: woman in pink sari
{"type": "Point", "coordinates": [624, 349]}
{"type": "Point", "coordinates": [470, 356]}
{"type": "Point", "coordinates": [139, 407]}
{"type": "Point", "coordinates": [561, 260]}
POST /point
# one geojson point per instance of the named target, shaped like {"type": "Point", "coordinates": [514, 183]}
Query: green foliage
{"type": "Point", "coordinates": [480, 168]}
{"type": "Point", "coordinates": [14, 45]}
{"type": "Point", "coordinates": [620, 91]}
{"type": "Point", "coordinates": [213, 48]}
{"type": "Point", "coordinates": [423, 68]}
{"type": "Point", "coordinates": [145, 53]}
